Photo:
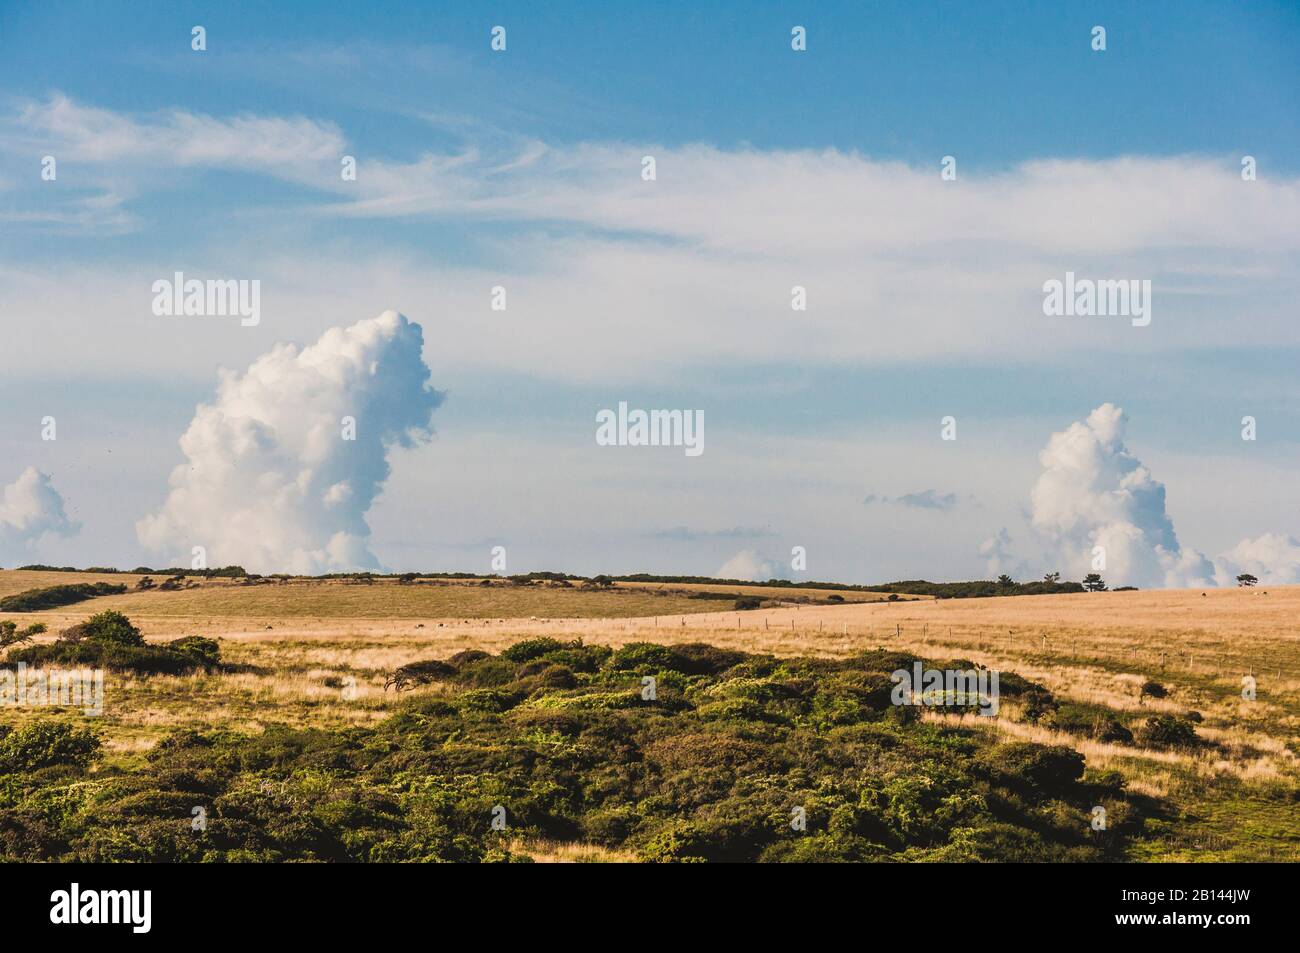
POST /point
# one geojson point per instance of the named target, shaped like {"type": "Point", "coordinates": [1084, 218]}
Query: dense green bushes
{"type": "Point", "coordinates": [940, 590]}
{"type": "Point", "coordinates": [1152, 690]}
{"type": "Point", "coordinates": [731, 757]}
{"type": "Point", "coordinates": [228, 572]}
{"type": "Point", "coordinates": [51, 597]}
{"type": "Point", "coordinates": [46, 744]}
{"type": "Point", "coordinates": [1168, 731]}
{"type": "Point", "coordinates": [975, 589]}
{"type": "Point", "coordinates": [109, 641]}
{"type": "Point", "coordinates": [106, 628]}
{"type": "Point", "coordinates": [173, 658]}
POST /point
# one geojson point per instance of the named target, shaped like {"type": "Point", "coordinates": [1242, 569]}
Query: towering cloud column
{"type": "Point", "coordinates": [1094, 493]}
{"type": "Point", "coordinates": [282, 467]}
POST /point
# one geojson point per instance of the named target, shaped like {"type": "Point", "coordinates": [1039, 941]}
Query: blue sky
{"type": "Point", "coordinates": [776, 168]}
{"type": "Point", "coordinates": [1002, 82]}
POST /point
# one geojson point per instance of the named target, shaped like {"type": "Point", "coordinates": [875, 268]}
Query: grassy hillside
{"type": "Point", "coordinates": [13, 581]}
{"type": "Point", "coordinates": [1233, 797]}
{"type": "Point", "coordinates": [211, 599]}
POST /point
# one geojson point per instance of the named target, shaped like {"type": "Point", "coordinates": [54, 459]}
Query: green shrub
{"type": "Point", "coordinates": [1095, 721]}
{"type": "Point", "coordinates": [1112, 731]}
{"type": "Point", "coordinates": [109, 641]}
{"type": "Point", "coordinates": [584, 658]}
{"type": "Point", "coordinates": [1036, 769]}
{"type": "Point", "coordinates": [11, 635]}
{"type": "Point", "coordinates": [1153, 690]}
{"type": "Point", "coordinates": [43, 744]}
{"type": "Point", "coordinates": [140, 659]}
{"type": "Point", "coordinates": [203, 650]}
{"type": "Point", "coordinates": [688, 659]}
{"type": "Point", "coordinates": [467, 657]}
{"type": "Point", "coordinates": [487, 673]}
{"type": "Point", "coordinates": [643, 657]}
{"type": "Point", "coordinates": [697, 658]}
{"type": "Point", "coordinates": [1038, 704]}
{"type": "Point", "coordinates": [106, 628]}
{"type": "Point", "coordinates": [488, 700]}
{"type": "Point", "coordinates": [1167, 731]}
{"type": "Point", "coordinates": [1107, 779]}
{"type": "Point", "coordinates": [26, 836]}
{"type": "Point", "coordinates": [419, 673]}
{"type": "Point", "coordinates": [531, 649]}
{"type": "Point", "coordinates": [823, 849]}
{"type": "Point", "coordinates": [1011, 685]}
{"type": "Point", "coordinates": [610, 827]}
{"type": "Point", "coordinates": [543, 674]}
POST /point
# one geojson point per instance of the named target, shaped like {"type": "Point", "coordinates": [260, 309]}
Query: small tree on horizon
{"type": "Point", "coordinates": [1052, 577]}
{"type": "Point", "coordinates": [1006, 581]}
{"type": "Point", "coordinates": [1094, 583]}
{"type": "Point", "coordinates": [1246, 579]}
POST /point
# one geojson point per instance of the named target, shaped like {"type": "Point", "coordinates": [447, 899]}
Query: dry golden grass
{"type": "Point", "coordinates": [1099, 754]}
{"type": "Point", "coordinates": [782, 593]}
{"type": "Point", "coordinates": [1088, 655]}
{"type": "Point", "coordinates": [218, 604]}
{"type": "Point", "coordinates": [12, 581]}
{"type": "Point", "coordinates": [553, 852]}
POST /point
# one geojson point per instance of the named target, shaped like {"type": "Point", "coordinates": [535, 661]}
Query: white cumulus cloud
{"type": "Point", "coordinates": [30, 508]}
{"type": "Point", "coordinates": [997, 554]}
{"type": "Point", "coordinates": [746, 564]}
{"type": "Point", "coordinates": [1094, 493]}
{"type": "Point", "coordinates": [269, 481]}
{"type": "Point", "coordinates": [1274, 559]}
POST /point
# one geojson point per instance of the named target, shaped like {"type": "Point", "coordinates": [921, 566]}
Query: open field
{"type": "Point", "coordinates": [791, 594]}
{"type": "Point", "coordinates": [209, 603]}
{"type": "Point", "coordinates": [316, 655]}
{"type": "Point", "coordinates": [218, 605]}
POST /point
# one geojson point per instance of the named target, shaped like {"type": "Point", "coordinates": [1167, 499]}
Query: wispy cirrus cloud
{"type": "Point", "coordinates": [177, 137]}
{"type": "Point", "coordinates": [105, 160]}
{"type": "Point", "coordinates": [738, 201]}
{"type": "Point", "coordinates": [708, 252]}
